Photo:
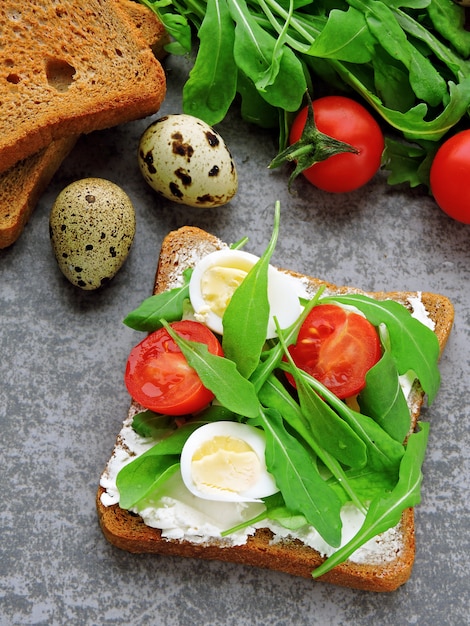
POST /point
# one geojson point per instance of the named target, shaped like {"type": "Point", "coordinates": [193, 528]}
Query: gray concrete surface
{"type": "Point", "coordinates": [62, 399]}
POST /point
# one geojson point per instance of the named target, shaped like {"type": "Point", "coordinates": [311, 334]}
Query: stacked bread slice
{"type": "Point", "coordinates": [68, 69]}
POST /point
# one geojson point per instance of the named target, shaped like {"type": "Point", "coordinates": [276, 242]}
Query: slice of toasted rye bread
{"type": "Point", "coordinates": [182, 249]}
{"type": "Point", "coordinates": [23, 184]}
{"type": "Point", "coordinates": [71, 68]}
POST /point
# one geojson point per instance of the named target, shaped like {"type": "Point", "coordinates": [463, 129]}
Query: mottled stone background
{"type": "Point", "coordinates": [62, 398]}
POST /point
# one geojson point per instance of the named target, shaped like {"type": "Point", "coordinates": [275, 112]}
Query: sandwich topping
{"type": "Point", "coordinates": [306, 430]}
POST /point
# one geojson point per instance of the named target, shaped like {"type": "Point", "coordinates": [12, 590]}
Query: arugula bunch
{"type": "Point", "coordinates": [408, 59]}
{"type": "Point", "coordinates": [321, 452]}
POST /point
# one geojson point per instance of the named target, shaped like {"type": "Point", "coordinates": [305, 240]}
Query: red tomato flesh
{"type": "Point", "coordinates": [348, 121]}
{"type": "Point", "coordinates": [337, 347]}
{"type": "Point", "coordinates": [159, 377]}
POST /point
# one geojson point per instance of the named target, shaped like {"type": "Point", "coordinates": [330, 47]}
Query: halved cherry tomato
{"type": "Point", "coordinates": [337, 347]}
{"type": "Point", "coordinates": [159, 377]}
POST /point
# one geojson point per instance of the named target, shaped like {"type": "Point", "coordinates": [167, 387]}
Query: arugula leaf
{"type": "Point", "coordinates": [253, 108]}
{"type": "Point", "coordinates": [138, 481]}
{"type": "Point", "coordinates": [216, 413]}
{"type": "Point", "coordinates": [383, 452]}
{"type": "Point", "coordinates": [220, 375]}
{"type": "Point", "coordinates": [383, 398]}
{"type": "Point", "coordinates": [415, 123]}
{"type": "Point", "coordinates": [246, 318]}
{"type": "Point", "coordinates": [443, 53]}
{"type": "Point", "coordinates": [253, 52]}
{"type": "Point", "coordinates": [150, 470]}
{"type": "Point", "coordinates": [385, 512]}
{"type": "Point", "coordinates": [415, 346]}
{"type": "Point", "coordinates": [277, 511]}
{"type": "Point", "coordinates": [390, 79]}
{"type": "Point", "coordinates": [150, 424]}
{"type": "Point", "coordinates": [449, 20]}
{"type": "Point", "coordinates": [212, 82]}
{"type": "Point", "coordinates": [367, 483]}
{"type": "Point", "coordinates": [175, 24]}
{"type": "Point", "coordinates": [273, 395]}
{"type": "Point", "coordinates": [168, 305]}
{"type": "Point", "coordinates": [297, 476]}
{"type": "Point", "coordinates": [408, 162]}
{"type": "Point", "coordinates": [345, 37]}
{"type": "Point", "coordinates": [336, 436]}
{"type": "Point", "coordinates": [426, 81]}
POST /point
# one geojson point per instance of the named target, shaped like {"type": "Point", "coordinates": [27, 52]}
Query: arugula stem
{"type": "Point", "coordinates": [191, 6]}
{"type": "Point", "coordinates": [288, 18]}
{"type": "Point", "coordinates": [282, 35]}
{"type": "Point", "coordinates": [333, 400]}
{"type": "Point", "coordinates": [239, 244]}
{"type": "Point", "coordinates": [259, 518]}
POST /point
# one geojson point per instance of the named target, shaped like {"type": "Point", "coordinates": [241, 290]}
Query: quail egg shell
{"type": "Point", "coordinates": [226, 461]}
{"type": "Point", "coordinates": [217, 275]}
{"type": "Point", "coordinates": [92, 227]}
{"type": "Point", "coordinates": [187, 161]}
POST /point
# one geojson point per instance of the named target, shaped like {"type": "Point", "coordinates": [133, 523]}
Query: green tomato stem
{"type": "Point", "coordinates": [312, 147]}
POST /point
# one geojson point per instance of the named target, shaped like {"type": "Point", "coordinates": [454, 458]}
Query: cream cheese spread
{"type": "Point", "coordinates": [181, 515]}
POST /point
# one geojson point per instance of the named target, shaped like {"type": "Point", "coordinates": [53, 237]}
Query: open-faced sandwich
{"type": "Point", "coordinates": [274, 419]}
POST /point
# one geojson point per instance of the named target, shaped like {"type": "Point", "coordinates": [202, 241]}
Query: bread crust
{"type": "Point", "coordinates": [127, 531]}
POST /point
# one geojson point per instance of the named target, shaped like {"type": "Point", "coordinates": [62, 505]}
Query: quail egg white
{"type": "Point", "coordinates": [187, 161]}
{"type": "Point", "coordinates": [217, 275]}
{"type": "Point", "coordinates": [92, 227]}
{"type": "Point", "coordinates": [226, 461]}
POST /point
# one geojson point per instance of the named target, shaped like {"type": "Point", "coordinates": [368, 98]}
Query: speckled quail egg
{"type": "Point", "coordinates": [92, 227]}
{"type": "Point", "coordinates": [188, 162]}
{"type": "Point", "coordinates": [226, 461]}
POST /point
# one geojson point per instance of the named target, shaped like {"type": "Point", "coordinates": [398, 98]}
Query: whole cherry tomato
{"type": "Point", "coordinates": [346, 120]}
{"type": "Point", "coordinates": [450, 175]}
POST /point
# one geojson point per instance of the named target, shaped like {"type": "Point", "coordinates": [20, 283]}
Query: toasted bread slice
{"type": "Point", "coordinates": [150, 28]}
{"type": "Point", "coordinates": [182, 249]}
{"type": "Point", "coordinates": [69, 69]}
{"type": "Point", "coordinates": [23, 184]}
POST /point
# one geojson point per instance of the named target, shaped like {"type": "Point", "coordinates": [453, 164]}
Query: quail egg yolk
{"type": "Point", "coordinates": [225, 463]}
{"type": "Point", "coordinates": [218, 284]}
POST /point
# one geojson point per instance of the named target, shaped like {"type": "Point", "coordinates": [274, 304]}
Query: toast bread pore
{"type": "Point", "coordinates": [71, 68]}
{"type": "Point", "coordinates": [22, 185]}
{"type": "Point", "coordinates": [181, 249]}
